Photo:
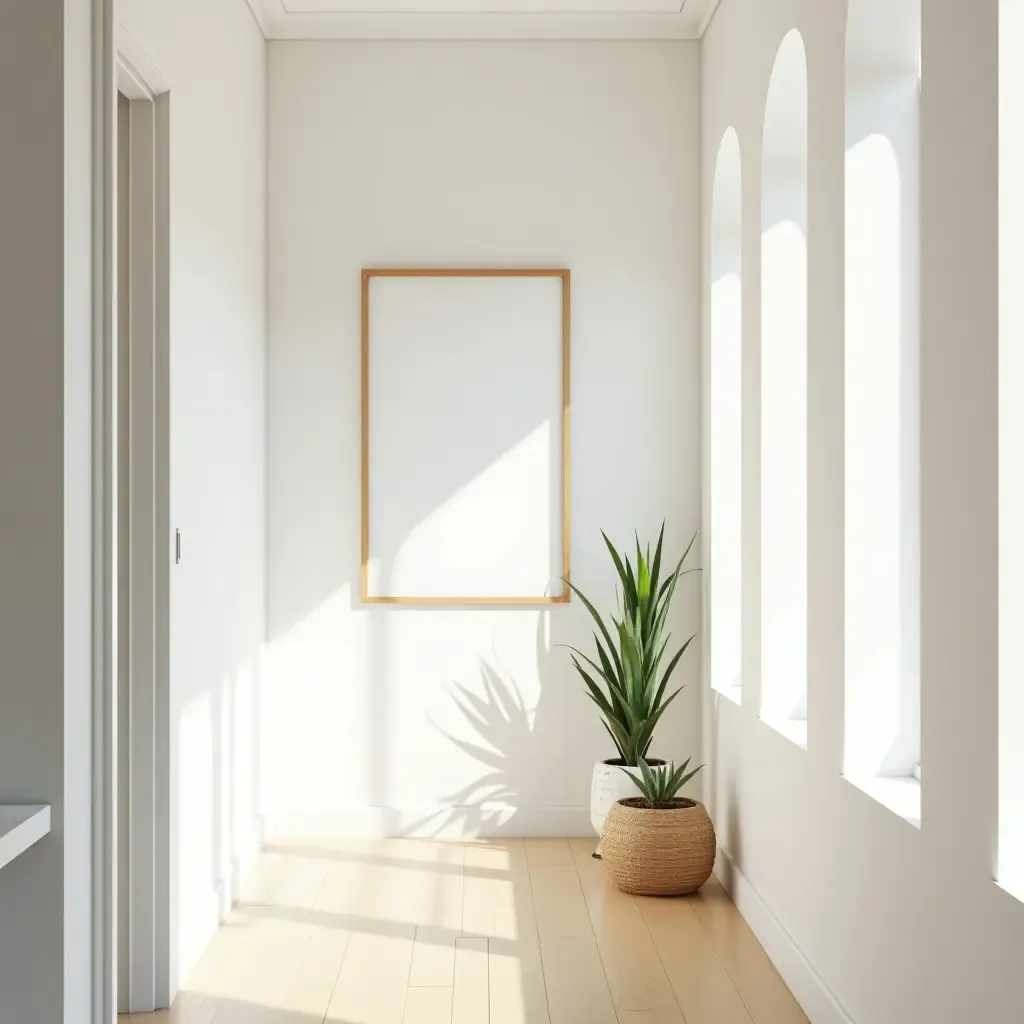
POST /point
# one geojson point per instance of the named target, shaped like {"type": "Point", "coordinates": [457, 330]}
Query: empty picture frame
{"type": "Point", "coordinates": [465, 436]}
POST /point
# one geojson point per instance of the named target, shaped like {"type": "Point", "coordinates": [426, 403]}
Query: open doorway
{"type": "Point", "coordinates": [143, 546]}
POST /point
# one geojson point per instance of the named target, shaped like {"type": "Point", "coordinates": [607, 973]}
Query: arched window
{"type": "Point", "coordinates": [882, 449]}
{"type": "Point", "coordinates": [1011, 434]}
{"type": "Point", "coordinates": [784, 395]}
{"type": "Point", "coordinates": [725, 579]}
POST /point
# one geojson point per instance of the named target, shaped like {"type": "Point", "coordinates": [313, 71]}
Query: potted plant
{"type": "Point", "coordinates": [659, 844]}
{"type": "Point", "coordinates": [629, 680]}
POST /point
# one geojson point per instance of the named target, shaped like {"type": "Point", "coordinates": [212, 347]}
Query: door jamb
{"type": "Point", "coordinates": [152, 981]}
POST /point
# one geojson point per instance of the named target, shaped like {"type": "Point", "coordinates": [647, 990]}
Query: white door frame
{"type": "Point", "coordinates": [124, 69]}
{"type": "Point", "coordinates": [104, 780]}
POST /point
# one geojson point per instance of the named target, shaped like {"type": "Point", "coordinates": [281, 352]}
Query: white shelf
{"type": "Point", "coordinates": [21, 826]}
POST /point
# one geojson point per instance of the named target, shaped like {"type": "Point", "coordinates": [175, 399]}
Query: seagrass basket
{"type": "Point", "coordinates": [659, 852]}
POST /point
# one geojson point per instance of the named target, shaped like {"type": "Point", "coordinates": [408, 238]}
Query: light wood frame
{"type": "Point", "coordinates": [368, 275]}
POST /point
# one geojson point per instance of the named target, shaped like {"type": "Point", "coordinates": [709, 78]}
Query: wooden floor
{"type": "Point", "coordinates": [495, 932]}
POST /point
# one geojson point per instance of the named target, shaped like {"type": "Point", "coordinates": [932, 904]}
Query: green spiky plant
{"type": "Point", "coordinates": [627, 681]}
{"type": "Point", "coordinates": [659, 785]}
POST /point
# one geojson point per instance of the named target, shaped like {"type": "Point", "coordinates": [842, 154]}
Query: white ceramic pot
{"type": "Point", "coordinates": [609, 785]}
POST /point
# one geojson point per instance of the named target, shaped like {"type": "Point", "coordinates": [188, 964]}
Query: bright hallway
{"type": "Point", "coordinates": [442, 439]}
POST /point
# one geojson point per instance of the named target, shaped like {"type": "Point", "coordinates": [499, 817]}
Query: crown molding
{"type": "Point", "coordinates": [708, 14]}
{"type": "Point", "coordinates": [277, 22]}
{"type": "Point", "coordinates": [258, 13]}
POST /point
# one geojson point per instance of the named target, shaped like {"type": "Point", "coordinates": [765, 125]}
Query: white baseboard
{"type": "Point", "coordinates": [478, 821]}
{"type": "Point", "coordinates": [810, 990]}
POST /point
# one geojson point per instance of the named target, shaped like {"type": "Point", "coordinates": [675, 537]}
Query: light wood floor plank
{"type": "Point", "coordinates": [705, 992]}
{"type": "Point", "coordinates": [548, 852]}
{"type": "Point", "coordinates": [418, 884]}
{"type": "Point", "coordinates": [516, 989]}
{"type": "Point", "coordinates": [487, 868]}
{"type": "Point", "coordinates": [558, 902]}
{"type": "Point", "coordinates": [428, 1006]}
{"type": "Point", "coordinates": [470, 997]}
{"type": "Point", "coordinates": [433, 958]}
{"type": "Point", "coordinates": [577, 989]}
{"type": "Point", "coordinates": [768, 999]}
{"type": "Point", "coordinates": [515, 969]}
{"type": "Point", "coordinates": [317, 975]}
{"type": "Point", "coordinates": [636, 977]}
{"type": "Point", "coordinates": [373, 980]}
{"type": "Point", "coordinates": [650, 1017]}
{"type": "Point", "coordinates": [252, 960]}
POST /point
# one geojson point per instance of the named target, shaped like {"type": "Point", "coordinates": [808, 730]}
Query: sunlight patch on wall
{"type": "Point", "coordinates": [483, 530]}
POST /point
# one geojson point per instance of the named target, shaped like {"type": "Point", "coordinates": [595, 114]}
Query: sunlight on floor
{"type": "Point", "coordinates": [515, 931]}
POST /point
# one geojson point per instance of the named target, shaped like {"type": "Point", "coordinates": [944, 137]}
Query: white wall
{"type": "Point", "coordinates": [217, 310]}
{"type": "Point", "coordinates": [900, 924]}
{"type": "Point", "coordinates": [45, 503]}
{"type": "Point", "coordinates": [583, 155]}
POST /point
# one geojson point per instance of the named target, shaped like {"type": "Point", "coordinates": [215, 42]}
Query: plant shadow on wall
{"type": "Point", "coordinates": [508, 741]}
{"type": "Point", "coordinates": [504, 735]}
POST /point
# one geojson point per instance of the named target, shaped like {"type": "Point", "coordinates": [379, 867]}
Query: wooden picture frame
{"type": "Point", "coordinates": [368, 275]}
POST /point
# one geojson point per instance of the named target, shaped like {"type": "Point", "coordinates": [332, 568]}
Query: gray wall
{"type": "Point", "coordinates": [45, 524]}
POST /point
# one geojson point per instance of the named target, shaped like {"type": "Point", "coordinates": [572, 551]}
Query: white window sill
{"type": "Point", "coordinates": [900, 795]}
{"type": "Point", "coordinates": [21, 826]}
{"type": "Point", "coordinates": [1013, 885]}
{"type": "Point", "coordinates": [793, 729]}
{"type": "Point", "coordinates": [733, 693]}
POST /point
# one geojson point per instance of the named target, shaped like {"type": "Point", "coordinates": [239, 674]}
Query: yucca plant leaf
{"type": "Point", "coordinates": [634, 603]}
{"type": "Point", "coordinates": [689, 546]}
{"type": "Point", "coordinates": [677, 774]}
{"type": "Point", "coordinates": [671, 668]}
{"type": "Point", "coordinates": [595, 691]}
{"type": "Point", "coordinates": [648, 775]}
{"type": "Point", "coordinates": [646, 732]}
{"type": "Point", "coordinates": [628, 590]}
{"type": "Point", "coordinates": [610, 680]}
{"type": "Point", "coordinates": [653, 641]}
{"type": "Point", "coordinates": [652, 668]}
{"type": "Point", "coordinates": [598, 619]}
{"type": "Point", "coordinates": [616, 699]}
{"type": "Point", "coordinates": [606, 664]}
{"type": "Point", "coordinates": [637, 781]}
{"type": "Point", "coordinates": [631, 664]}
{"type": "Point", "coordinates": [686, 778]}
{"type": "Point", "coordinates": [643, 577]}
{"type": "Point", "coordinates": [618, 745]}
{"type": "Point", "coordinates": [670, 581]}
{"type": "Point", "coordinates": [656, 566]}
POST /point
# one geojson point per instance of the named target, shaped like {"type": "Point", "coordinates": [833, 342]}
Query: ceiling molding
{"type": "Point", "coordinates": [277, 22]}
{"type": "Point", "coordinates": [257, 9]}
{"type": "Point", "coordinates": [710, 9]}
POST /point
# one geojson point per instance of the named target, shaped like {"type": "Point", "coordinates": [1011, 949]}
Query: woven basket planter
{"type": "Point", "coordinates": [664, 852]}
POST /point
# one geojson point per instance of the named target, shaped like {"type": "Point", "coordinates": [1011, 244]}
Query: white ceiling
{"type": "Point", "coordinates": [483, 19]}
